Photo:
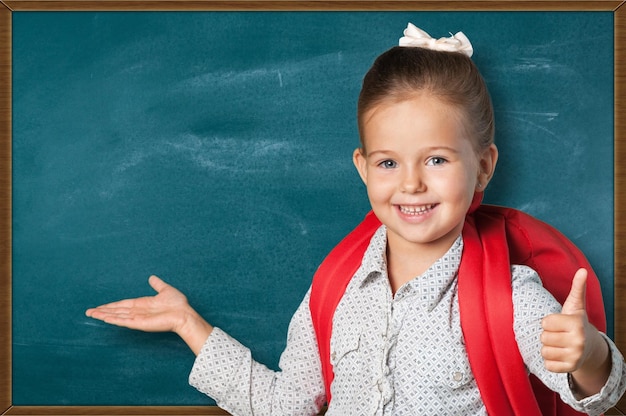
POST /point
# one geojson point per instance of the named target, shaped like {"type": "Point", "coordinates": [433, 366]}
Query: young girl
{"type": "Point", "coordinates": [397, 346]}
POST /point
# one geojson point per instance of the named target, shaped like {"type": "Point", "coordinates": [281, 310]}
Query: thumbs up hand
{"type": "Point", "coordinates": [565, 336]}
{"type": "Point", "coordinates": [572, 345]}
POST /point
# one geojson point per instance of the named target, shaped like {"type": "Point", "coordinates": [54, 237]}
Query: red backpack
{"type": "Point", "coordinates": [494, 238]}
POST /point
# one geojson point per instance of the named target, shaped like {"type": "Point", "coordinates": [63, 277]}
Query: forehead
{"type": "Point", "coordinates": [418, 117]}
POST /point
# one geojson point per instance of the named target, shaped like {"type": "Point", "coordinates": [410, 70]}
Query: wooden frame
{"type": "Point", "coordinates": [7, 7]}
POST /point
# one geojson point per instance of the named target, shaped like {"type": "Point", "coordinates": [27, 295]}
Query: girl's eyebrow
{"type": "Point", "coordinates": [445, 148]}
{"type": "Point", "coordinates": [383, 152]}
{"type": "Point", "coordinates": [426, 150]}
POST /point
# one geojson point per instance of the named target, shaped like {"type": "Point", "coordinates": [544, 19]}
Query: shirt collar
{"type": "Point", "coordinates": [431, 286]}
{"type": "Point", "coordinates": [373, 264]}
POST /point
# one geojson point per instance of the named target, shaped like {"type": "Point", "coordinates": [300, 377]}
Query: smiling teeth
{"type": "Point", "coordinates": [412, 210]}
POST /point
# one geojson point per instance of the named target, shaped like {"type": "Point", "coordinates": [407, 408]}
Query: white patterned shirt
{"type": "Point", "coordinates": [399, 354]}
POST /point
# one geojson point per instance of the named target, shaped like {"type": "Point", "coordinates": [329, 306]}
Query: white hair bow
{"type": "Point", "coordinates": [414, 36]}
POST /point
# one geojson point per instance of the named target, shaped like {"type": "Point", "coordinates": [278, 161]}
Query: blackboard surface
{"type": "Point", "coordinates": [214, 150]}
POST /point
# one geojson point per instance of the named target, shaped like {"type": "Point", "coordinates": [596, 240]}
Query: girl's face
{"type": "Point", "coordinates": [421, 171]}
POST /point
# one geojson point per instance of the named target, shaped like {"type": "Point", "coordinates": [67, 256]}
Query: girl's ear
{"type": "Point", "coordinates": [487, 167]}
{"type": "Point", "coordinates": [360, 162]}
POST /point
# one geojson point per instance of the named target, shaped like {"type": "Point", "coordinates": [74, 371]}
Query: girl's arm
{"type": "Point", "coordinates": [167, 311]}
{"type": "Point", "coordinates": [574, 365]}
{"type": "Point", "coordinates": [224, 369]}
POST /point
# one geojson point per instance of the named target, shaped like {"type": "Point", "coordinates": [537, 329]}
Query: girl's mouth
{"type": "Point", "coordinates": [416, 209]}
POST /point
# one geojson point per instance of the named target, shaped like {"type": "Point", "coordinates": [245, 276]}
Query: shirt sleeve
{"type": "Point", "coordinates": [531, 302]}
{"type": "Point", "coordinates": [225, 371]}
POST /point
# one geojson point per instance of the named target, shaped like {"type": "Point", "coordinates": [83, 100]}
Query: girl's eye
{"type": "Point", "coordinates": [436, 161]}
{"type": "Point", "coordinates": [388, 164]}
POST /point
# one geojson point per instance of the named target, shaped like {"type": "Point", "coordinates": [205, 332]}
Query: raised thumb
{"type": "Point", "coordinates": [575, 301]}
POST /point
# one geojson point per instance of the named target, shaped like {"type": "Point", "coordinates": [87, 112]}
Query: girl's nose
{"type": "Point", "coordinates": [412, 182]}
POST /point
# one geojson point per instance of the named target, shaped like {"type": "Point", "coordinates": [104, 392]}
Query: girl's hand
{"type": "Point", "coordinates": [572, 345]}
{"type": "Point", "coordinates": [167, 311]}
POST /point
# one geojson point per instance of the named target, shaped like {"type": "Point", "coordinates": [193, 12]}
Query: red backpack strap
{"type": "Point", "coordinates": [555, 258]}
{"type": "Point", "coordinates": [329, 284]}
{"type": "Point", "coordinates": [487, 321]}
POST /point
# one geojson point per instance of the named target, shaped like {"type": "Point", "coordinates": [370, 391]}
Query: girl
{"type": "Point", "coordinates": [397, 346]}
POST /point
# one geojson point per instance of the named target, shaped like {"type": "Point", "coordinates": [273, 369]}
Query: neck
{"type": "Point", "coordinates": [406, 260]}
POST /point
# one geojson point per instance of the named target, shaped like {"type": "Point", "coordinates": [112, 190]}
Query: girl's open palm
{"type": "Point", "coordinates": [163, 312]}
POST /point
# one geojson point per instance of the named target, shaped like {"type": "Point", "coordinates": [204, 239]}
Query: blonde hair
{"type": "Point", "coordinates": [401, 72]}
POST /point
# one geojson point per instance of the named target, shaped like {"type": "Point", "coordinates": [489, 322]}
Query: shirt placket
{"type": "Point", "coordinates": [398, 308]}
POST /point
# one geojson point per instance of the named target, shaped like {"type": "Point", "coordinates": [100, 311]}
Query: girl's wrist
{"type": "Point", "coordinates": [594, 372]}
{"type": "Point", "coordinates": [600, 358]}
{"type": "Point", "coordinates": [193, 329]}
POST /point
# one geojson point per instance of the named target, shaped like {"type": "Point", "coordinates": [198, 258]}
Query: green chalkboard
{"type": "Point", "coordinates": [214, 150]}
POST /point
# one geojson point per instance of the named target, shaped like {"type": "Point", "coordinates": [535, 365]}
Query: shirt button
{"type": "Point", "coordinates": [333, 356]}
{"type": "Point", "coordinates": [457, 376]}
